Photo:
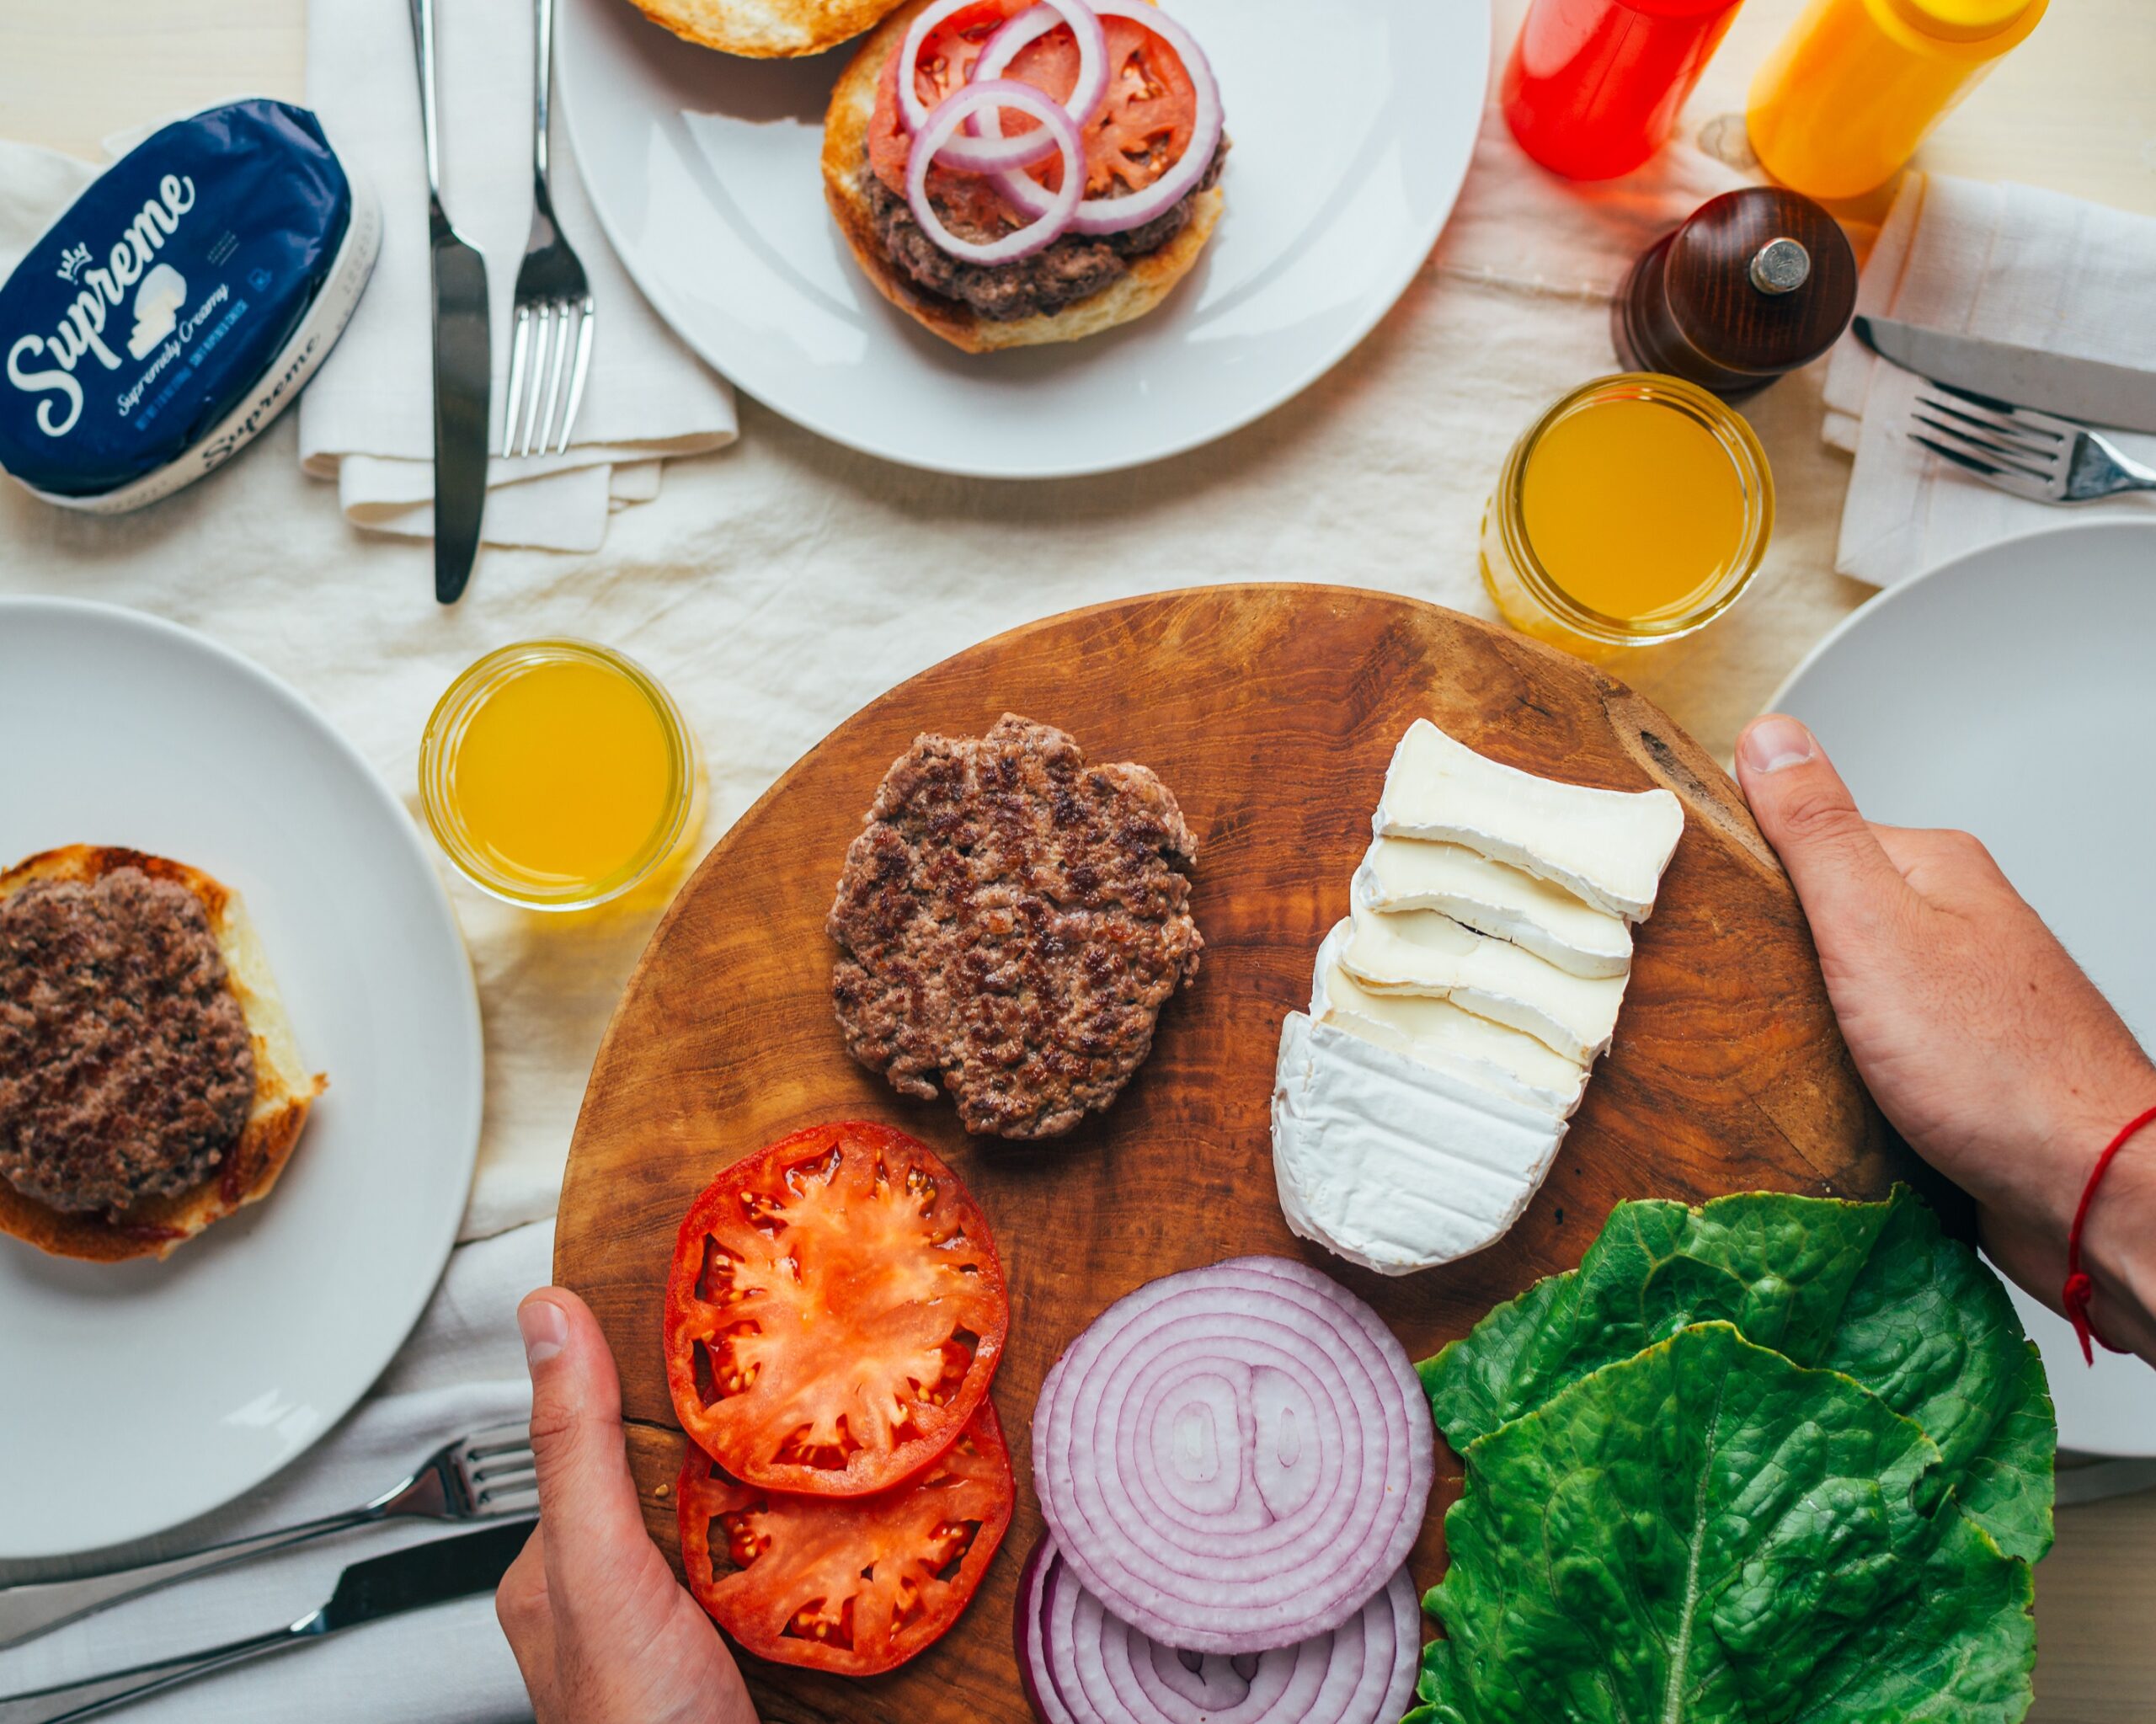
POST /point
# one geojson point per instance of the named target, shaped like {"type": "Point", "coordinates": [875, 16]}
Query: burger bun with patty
{"type": "Point", "coordinates": [284, 1089]}
{"type": "Point", "coordinates": [1146, 281]}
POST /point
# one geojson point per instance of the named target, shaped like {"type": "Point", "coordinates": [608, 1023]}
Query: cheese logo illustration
{"type": "Point", "coordinates": [158, 301]}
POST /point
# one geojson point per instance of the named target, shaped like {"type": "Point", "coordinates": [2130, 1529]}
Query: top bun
{"type": "Point", "coordinates": [767, 30]}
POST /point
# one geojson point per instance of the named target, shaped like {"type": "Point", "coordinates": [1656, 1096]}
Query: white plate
{"type": "Point", "coordinates": [139, 1394]}
{"type": "Point", "coordinates": [1353, 128]}
{"type": "Point", "coordinates": [2008, 693]}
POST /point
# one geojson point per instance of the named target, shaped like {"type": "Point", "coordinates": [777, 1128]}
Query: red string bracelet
{"type": "Point", "coordinates": [2079, 1288]}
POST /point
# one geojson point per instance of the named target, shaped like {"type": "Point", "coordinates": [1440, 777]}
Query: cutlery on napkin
{"type": "Point", "coordinates": [2008, 262]}
{"type": "Point", "coordinates": [367, 419]}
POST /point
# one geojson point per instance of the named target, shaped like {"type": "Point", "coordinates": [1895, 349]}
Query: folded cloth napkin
{"type": "Point", "coordinates": [463, 1369]}
{"type": "Point", "coordinates": [367, 421]}
{"type": "Point", "coordinates": [2010, 263]}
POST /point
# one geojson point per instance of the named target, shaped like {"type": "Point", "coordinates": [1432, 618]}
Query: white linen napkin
{"type": "Point", "coordinates": [2007, 262]}
{"type": "Point", "coordinates": [367, 419]}
{"type": "Point", "coordinates": [461, 1369]}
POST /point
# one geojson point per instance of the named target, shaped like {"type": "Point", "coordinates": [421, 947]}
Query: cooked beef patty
{"type": "Point", "coordinates": [1011, 921]}
{"type": "Point", "coordinates": [1075, 267]}
{"type": "Point", "coordinates": [126, 1069]}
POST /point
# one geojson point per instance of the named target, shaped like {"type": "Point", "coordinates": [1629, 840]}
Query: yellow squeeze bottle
{"type": "Point", "coordinates": [1856, 85]}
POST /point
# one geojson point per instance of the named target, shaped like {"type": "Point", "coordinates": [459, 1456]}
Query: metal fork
{"type": "Point", "coordinates": [483, 1474]}
{"type": "Point", "coordinates": [552, 297]}
{"type": "Point", "coordinates": [2018, 449]}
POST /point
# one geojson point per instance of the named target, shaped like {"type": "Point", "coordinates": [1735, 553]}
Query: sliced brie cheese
{"type": "Point", "coordinates": [1609, 847]}
{"type": "Point", "coordinates": [1421, 951]}
{"type": "Point", "coordinates": [1391, 1165]}
{"type": "Point", "coordinates": [1440, 1034]}
{"type": "Point", "coordinates": [1495, 898]}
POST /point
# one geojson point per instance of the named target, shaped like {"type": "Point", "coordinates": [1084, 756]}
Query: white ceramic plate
{"type": "Point", "coordinates": [2008, 693]}
{"type": "Point", "coordinates": [1352, 135]}
{"type": "Point", "coordinates": [139, 1394]}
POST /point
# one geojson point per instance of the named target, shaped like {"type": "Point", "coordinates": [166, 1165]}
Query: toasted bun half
{"type": "Point", "coordinates": [765, 29]}
{"type": "Point", "coordinates": [1136, 291]}
{"type": "Point", "coordinates": [284, 1089]}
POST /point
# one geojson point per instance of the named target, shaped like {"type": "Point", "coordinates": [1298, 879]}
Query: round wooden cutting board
{"type": "Point", "coordinates": [1271, 711]}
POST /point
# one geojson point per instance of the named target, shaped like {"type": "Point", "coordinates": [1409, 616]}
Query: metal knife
{"type": "Point", "coordinates": [410, 1579]}
{"type": "Point", "coordinates": [464, 363]}
{"type": "Point", "coordinates": [2089, 390]}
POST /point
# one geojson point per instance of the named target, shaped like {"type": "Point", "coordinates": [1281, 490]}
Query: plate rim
{"type": "Point", "coordinates": [177, 636]}
{"type": "Point", "coordinates": [1358, 330]}
{"type": "Point", "coordinates": [1949, 568]}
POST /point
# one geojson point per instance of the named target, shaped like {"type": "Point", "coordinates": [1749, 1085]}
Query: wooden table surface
{"type": "Point", "coordinates": [2073, 109]}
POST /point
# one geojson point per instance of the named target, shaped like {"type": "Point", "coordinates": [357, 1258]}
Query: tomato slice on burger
{"type": "Point", "coordinates": [835, 1312]}
{"type": "Point", "coordinates": [1142, 126]}
{"type": "Point", "coordinates": [854, 1586]}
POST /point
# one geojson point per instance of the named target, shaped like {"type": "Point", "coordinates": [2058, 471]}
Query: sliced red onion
{"type": "Point", "coordinates": [1117, 215]}
{"type": "Point", "coordinates": [996, 56]}
{"type": "Point", "coordinates": [987, 152]}
{"type": "Point", "coordinates": [1235, 1457]}
{"type": "Point", "coordinates": [949, 115]}
{"type": "Point", "coordinates": [1080, 1665]}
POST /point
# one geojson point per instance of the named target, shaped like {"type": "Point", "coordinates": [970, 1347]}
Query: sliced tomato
{"type": "Point", "coordinates": [1141, 130]}
{"type": "Point", "coordinates": [856, 1586]}
{"type": "Point", "coordinates": [835, 1313]}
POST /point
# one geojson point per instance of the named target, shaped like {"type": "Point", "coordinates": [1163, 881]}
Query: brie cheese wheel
{"type": "Point", "coordinates": [1609, 847]}
{"type": "Point", "coordinates": [1442, 1036]}
{"type": "Point", "coordinates": [1421, 951]}
{"type": "Point", "coordinates": [1495, 898]}
{"type": "Point", "coordinates": [1392, 1165]}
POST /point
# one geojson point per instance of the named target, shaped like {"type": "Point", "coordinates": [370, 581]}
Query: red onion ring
{"type": "Point", "coordinates": [1115, 215]}
{"type": "Point", "coordinates": [1048, 224]}
{"type": "Point", "coordinates": [1082, 1666]}
{"type": "Point", "coordinates": [1149, 1436]}
{"type": "Point", "coordinates": [985, 154]}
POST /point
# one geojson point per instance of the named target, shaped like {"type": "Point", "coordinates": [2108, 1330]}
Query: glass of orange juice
{"type": "Point", "coordinates": [558, 775]}
{"type": "Point", "coordinates": [1635, 511]}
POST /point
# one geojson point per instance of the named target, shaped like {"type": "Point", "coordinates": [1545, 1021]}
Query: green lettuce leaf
{"type": "Point", "coordinates": [1873, 1290]}
{"type": "Point", "coordinates": [1706, 1532]}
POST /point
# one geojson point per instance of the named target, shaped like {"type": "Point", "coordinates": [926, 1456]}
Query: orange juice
{"type": "Point", "coordinates": [558, 774]}
{"type": "Point", "coordinates": [1634, 511]}
{"type": "Point", "coordinates": [1856, 85]}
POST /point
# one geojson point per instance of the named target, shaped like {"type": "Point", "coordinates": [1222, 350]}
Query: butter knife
{"type": "Point", "coordinates": [2090, 390]}
{"type": "Point", "coordinates": [463, 357]}
{"type": "Point", "coordinates": [410, 1579]}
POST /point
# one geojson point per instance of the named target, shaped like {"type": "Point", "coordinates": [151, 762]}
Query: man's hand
{"type": "Point", "coordinates": [1980, 1037]}
{"type": "Point", "coordinates": [601, 1630]}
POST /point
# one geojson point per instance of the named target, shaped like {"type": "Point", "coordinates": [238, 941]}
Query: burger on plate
{"type": "Point", "coordinates": [1012, 173]}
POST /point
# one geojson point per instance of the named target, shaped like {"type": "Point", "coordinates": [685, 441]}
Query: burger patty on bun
{"type": "Point", "coordinates": [1075, 267]}
{"type": "Point", "coordinates": [126, 1067]}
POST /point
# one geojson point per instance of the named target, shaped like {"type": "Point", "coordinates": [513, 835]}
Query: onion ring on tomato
{"type": "Point", "coordinates": [1118, 215]}
{"type": "Point", "coordinates": [1050, 221]}
{"type": "Point", "coordinates": [984, 154]}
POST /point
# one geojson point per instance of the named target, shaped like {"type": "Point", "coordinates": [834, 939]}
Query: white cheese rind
{"type": "Point", "coordinates": [1609, 847]}
{"type": "Point", "coordinates": [1445, 1037]}
{"type": "Point", "coordinates": [1393, 1166]}
{"type": "Point", "coordinates": [1420, 951]}
{"type": "Point", "coordinates": [1495, 898]}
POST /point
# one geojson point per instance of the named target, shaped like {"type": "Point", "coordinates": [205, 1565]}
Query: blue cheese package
{"type": "Point", "coordinates": [178, 306]}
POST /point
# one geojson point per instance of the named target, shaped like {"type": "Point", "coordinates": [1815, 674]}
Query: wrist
{"type": "Point", "coordinates": [2118, 1238]}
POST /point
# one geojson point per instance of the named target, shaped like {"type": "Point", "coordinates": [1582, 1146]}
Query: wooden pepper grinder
{"type": "Point", "coordinates": [1754, 284]}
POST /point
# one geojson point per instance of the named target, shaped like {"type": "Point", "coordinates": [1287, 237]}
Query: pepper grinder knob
{"type": "Point", "coordinates": [1755, 283]}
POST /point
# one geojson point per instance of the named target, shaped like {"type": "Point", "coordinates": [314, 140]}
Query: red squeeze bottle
{"type": "Point", "coordinates": [1594, 86]}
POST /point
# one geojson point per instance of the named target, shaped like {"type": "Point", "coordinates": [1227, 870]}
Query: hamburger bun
{"type": "Point", "coordinates": [765, 29]}
{"type": "Point", "coordinates": [284, 1089]}
{"type": "Point", "coordinates": [1147, 281]}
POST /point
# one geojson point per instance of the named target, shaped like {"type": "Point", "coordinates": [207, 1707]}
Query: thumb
{"type": "Point", "coordinates": [587, 1499]}
{"type": "Point", "coordinates": [1843, 874]}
